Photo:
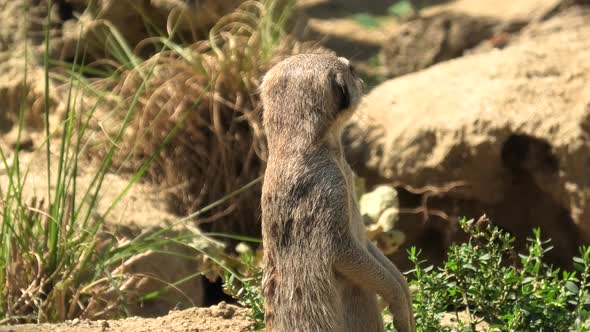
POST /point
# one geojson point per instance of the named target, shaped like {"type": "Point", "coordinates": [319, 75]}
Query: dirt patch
{"type": "Point", "coordinates": [218, 318]}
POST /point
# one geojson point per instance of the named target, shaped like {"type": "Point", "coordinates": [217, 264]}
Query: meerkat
{"type": "Point", "coordinates": [320, 271]}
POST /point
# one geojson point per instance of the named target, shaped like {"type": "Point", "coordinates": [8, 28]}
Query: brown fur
{"type": "Point", "coordinates": [321, 273]}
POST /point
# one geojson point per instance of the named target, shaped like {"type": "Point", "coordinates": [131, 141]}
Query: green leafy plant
{"type": "Point", "coordinates": [247, 289]}
{"type": "Point", "coordinates": [401, 8]}
{"type": "Point", "coordinates": [366, 20]}
{"type": "Point", "coordinates": [485, 285]}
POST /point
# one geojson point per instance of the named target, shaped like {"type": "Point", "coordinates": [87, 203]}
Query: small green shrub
{"type": "Point", "coordinates": [483, 286]}
{"type": "Point", "coordinates": [402, 9]}
{"type": "Point", "coordinates": [489, 283]}
{"type": "Point", "coordinates": [247, 290]}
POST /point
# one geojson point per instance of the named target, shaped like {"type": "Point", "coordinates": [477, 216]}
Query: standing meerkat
{"type": "Point", "coordinates": [320, 271]}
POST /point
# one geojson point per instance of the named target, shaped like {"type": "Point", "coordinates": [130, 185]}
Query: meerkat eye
{"type": "Point", "coordinates": [341, 93]}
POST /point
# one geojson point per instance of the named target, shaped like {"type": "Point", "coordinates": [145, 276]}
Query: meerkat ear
{"type": "Point", "coordinates": [341, 94]}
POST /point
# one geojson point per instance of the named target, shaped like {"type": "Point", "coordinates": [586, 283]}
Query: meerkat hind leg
{"type": "Point", "coordinates": [361, 312]}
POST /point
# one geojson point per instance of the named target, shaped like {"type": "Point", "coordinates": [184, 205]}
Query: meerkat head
{"type": "Point", "coordinates": [309, 96]}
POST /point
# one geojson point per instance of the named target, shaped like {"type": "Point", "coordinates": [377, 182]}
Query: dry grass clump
{"type": "Point", "coordinates": [84, 271]}
{"type": "Point", "coordinates": [37, 289]}
{"type": "Point", "coordinates": [202, 102]}
{"type": "Point", "coordinates": [20, 65]}
{"type": "Point", "coordinates": [188, 116]}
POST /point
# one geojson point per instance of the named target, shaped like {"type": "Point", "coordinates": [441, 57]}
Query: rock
{"type": "Point", "coordinates": [425, 41]}
{"type": "Point", "coordinates": [380, 212]}
{"type": "Point", "coordinates": [512, 125]}
{"type": "Point", "coordinates": [449, 30]}
{"type": "Point", "coordinates": [223, 310]}
{"type": "Point", "coordinates": [500, 9]}
{"type": "Point", "coordinates": [374, 204]}
{"type": "Point", "coordinates": [338, 25]}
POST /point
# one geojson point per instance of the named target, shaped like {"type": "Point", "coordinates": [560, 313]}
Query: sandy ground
{"type": "Point", "coordinates": [222, 317]}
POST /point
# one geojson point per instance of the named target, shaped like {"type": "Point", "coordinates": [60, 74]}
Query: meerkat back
{"type": "Point", "coordinates": [303, 186]}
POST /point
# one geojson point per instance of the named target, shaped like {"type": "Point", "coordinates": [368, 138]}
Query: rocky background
{"type": "Point", "coordinates": [501, 130]}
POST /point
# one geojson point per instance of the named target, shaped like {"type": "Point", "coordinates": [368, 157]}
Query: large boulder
{"type": "Point", "coordinates": [508, 129]}
{"type": "Point", "coordinates": [451, 30]}
{"type": "Point", "coordinates": [427, 40]}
